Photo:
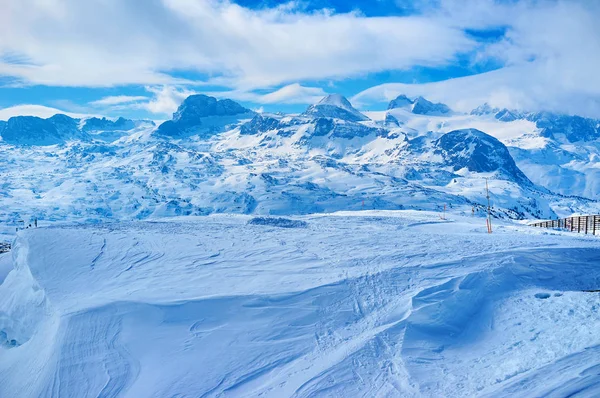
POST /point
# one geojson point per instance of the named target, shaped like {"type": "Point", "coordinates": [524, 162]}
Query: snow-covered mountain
{"type": "Point", "coordinates": [319, 304]}
{"type": "Point", "coordinates": [201, 114]}
{"type": "Point", "coordinates": [480, 153]}
{"type": "Point", "coordinates": [335, 106]}
{"type": "Point", "coordinates": [217, 156]}
{"type": "Point", "coordinates": [59, 129]}
{"type": "Point", "coordinates": [419, 106]}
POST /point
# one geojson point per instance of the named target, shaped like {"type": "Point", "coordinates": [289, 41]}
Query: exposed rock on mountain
{"type": "Point", "coordinates": [201, 114]}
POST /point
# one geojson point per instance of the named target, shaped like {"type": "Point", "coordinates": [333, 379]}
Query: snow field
{"type": "Point", "coordinates": [374, 303]}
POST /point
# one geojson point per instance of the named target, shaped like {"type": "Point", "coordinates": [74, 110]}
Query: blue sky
{"type": "Point", "coordinates": [141, 59]}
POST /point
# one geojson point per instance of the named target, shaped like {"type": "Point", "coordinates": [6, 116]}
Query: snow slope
{"type": "Point", "coordinates": [367, 304]}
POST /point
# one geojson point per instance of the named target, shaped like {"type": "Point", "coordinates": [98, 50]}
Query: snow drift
{"type": "Point", "coordinates": [377, 304]}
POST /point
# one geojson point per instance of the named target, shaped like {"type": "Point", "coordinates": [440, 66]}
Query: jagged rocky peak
{"type": "Point", "coordinates": [335, 106]}
{"type": "Point", "coordinates": [60, 119]}
{"type": "Point", "coordinates": [258, 124]}
{"type": "Point", "coordinates": [200, 106]}
{"type": "Point", "coordinates": [202, 114]}
{"type": "Point", "coordinates": [400, 101]}
{"type": "Point", "coordinates": [104, 124]}
{"type": "Point", "coordinates": [30, 130]}
{"type": "Point", "coordinates": [507, 115]}
{"type": "Point", "coordinates": [478, 152]}
{"type": "Point", "coordinates": [573, 128]}
{"type": "Point", "coordinates": [421, 106]}
{"type": "Point", "coordinates": [33, 130]}
{"type": "Point", "coordinates": [58, 129]}
{"type": "Point", "coordinates": [484, 109]}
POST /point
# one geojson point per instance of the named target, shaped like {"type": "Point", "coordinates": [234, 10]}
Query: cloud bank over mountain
{"type": "Point", "coordinates": [146, 57]}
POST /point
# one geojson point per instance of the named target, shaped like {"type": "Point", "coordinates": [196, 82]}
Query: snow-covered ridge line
{"type": "Point", "coordinates": [219, 157]}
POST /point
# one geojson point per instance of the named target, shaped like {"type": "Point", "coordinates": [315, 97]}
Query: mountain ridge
{"type": "Point", "coordinates": [262, 163]}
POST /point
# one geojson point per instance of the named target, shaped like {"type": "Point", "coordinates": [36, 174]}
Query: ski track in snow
{"type": "Point", "coordinates": [355, 304]}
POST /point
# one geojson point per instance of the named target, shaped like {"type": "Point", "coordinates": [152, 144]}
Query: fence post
{"type": "Point", "coordinates": [594, 225]}
{"type": "Point", "coordinates": [586, 224]}
{"type": "Point", "coordinates": [572, 227]}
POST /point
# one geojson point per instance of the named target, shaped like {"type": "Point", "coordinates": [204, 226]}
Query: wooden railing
{"type": "Point", "coordinates": [579, 224]}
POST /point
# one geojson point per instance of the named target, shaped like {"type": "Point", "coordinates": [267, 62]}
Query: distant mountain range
{"type": "Point", "coordinates": [59, 129]}
{"type": "Point", "coordinates": [217, 156]}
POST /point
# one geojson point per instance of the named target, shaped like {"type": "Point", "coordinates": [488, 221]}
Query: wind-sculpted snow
{"type": "Point", "coordinates": [352, 304]}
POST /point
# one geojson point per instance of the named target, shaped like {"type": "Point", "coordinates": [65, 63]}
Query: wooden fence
{"type": "Point", "coordinates": [4, 247]}
{"type": "Point", "coordinates": [579, 224]}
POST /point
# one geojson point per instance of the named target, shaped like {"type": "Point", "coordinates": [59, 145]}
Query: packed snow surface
{"type": "Point", "coordinates": [374, 303]}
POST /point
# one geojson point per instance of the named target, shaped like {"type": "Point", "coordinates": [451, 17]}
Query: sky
{"type": "Point", "coordinates": [140, 59]}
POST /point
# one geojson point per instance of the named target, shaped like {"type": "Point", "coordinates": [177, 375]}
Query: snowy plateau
{"type": "Point", "coordinates": [329, 253]}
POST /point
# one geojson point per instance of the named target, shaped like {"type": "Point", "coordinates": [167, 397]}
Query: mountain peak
{"type": "Point", "coordinates": [335, 106]}
{"type": "Point", "coordinates": [400, 102]}
{"type": "Point", "coordinates": [336, 100]}
{"type": "Point", "coordinates": [200, 105]}
{"type": "Point", "coordinates": [478, 152]}
{"type": "Point", "coordinates": [421, 106]}
{"type": "Point", "coordinates": [104, 124]}
{"type": "Point", "coordinates": [204, 113]}
{"type": "Point", "coordinates": [484, 109]}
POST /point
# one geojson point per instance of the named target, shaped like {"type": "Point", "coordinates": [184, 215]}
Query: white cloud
{"type": "Point", "coordinates": [526, 87]}
{"type": "Point", "coordinates": [36, 110]}
{"type": "Point", "coordinates": [166, 99]}
{"type": "Point", "coordinates": [118, 99]}
{"type": "Point", "coordinates": [550, 54]}
{"type": "Point", "coordinates": [293, 94]}
{"type": "Point", "coordinates": [550, 51]}
{"type": "Point", "coordinates": [68, 43]}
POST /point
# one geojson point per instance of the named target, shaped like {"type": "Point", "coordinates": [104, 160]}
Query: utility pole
{"type": "Point", "coordinates": [489, 209]}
